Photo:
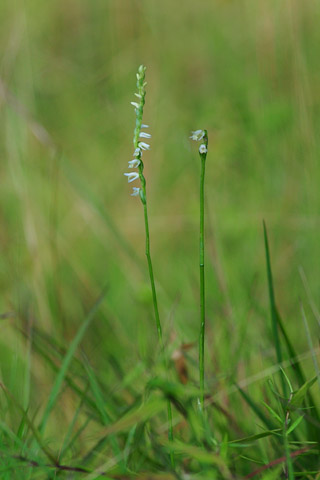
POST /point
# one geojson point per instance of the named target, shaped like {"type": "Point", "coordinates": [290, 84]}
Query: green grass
{"type": "Point", "coordinates": [84, 388]}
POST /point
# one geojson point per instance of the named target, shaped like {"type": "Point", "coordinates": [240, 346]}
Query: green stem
{"type": "Point", "coordinates": [153, 287]}
{"type": "Point", "coordinates": [203, 150]}
{"type": "Point", "coordinates": [202, 284]}
{"type": "Point", "coordinates": [156, 310]}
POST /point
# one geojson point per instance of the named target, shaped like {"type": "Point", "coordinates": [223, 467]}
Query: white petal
{"type": "Point", "coordinates": [144, 146]}
{"type": "Point", "coordinates": [144, 126]}
{"type": "Point", "coordinates": [137, 152]}
{"type": "Point", "coordinates": [135, 192]}
{"type": "Point", "coordinates": [138, 95]}
{"type": "Point", "coordinates": [197, 135]}
{"type": "Point", "coordinates": [203, 148]}
{"type": "Point", "coordinates": [134, 163]}
{"type": "Point", "coordinates": [144, 135]}
{"type": "Point", "coordinates": [135, 104]}
{"type": "Point", "coordinates": [132, 176]}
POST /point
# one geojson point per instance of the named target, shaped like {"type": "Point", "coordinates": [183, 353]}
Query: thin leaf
{"type": "Point", "coordinates": [66, 362]}
{"type": "Point", "coordinates": [257, 410]}
{"type": "Point", "coordinates": [139, 414]}
{"type": "Point", "coordinates": [311, 348]}
{"type": "Point", "coordinates": [292, 353]}
{"type": "Point", "coordinates": [299, 395]}
{"type": "Point", "coordinates": [252, 438]}
{"type": "Point", "coordinates": [273, 413]}
{"type": "Point", "coordinates": [30, 424]}
{"type": "Point", "coordinates": [287, 379]}
{"type": "Point", "coordinates": [312, 304]}
{"type": "Point", "coordinates": [273, 308]}
{"type": "Point", "coordinates": [101, 405]}
{"type": "Point", "coordinates": [295, 424]}
{"type": "Point", "coordinates": [71, 426]}
{"type": "Point", "coordinates": [81, 393]}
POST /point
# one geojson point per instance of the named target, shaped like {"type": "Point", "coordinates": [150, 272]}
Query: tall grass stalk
{"type": "Point", "coordinates": [139, 147]}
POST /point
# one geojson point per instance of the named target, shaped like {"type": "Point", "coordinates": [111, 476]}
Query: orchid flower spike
{"type": "Point", "coordinates": [201, 135]}
{"type": "Point", "coordinates": [139, 146]}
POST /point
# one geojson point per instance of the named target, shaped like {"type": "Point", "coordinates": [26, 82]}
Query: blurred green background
{"type": "Point", "coordinates": [248, 72]}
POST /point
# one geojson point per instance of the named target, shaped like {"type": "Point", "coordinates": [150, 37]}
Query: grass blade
{"type": "Point", "coordinates": [298, 397]}
{"type": "Point", "coordinates": [273, 308]}
{"type": "Point", "coordinates": [295, 424]}
{"type": "Point", "coordinates": [253, 438]}
{"type": "Point", "coordinates": [66, 362]}
{"type": "Point", "coordinates": [257, 410]}
{"type": "Point", "coordinates": [308, 333]}
{"type": "Point", "coordinates": [100, 403]}
{"type": "Point", "coordinates": [30, 424]}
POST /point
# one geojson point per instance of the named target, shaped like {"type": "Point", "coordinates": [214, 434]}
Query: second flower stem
{"type": "Point", "coordinates": [203, 150]}
{"type": "Point", "coordinates": [202, 284]}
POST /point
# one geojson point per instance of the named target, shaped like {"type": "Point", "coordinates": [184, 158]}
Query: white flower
{"type": "Point", "coordinates": [197, 135]}
{"type": "Point", "coordinates": [134, 163]}
{"type": "Point", "coordinates": [135, 192]}
{"type": "Point", "coordinates": [144, 135]}
{"type": "Point", "coordinates": [132, 176]}
{"type": "Point", "coordinates": [144, 126]}
{"type": "Point", "coordinates": [144, 146]}
{"type": "Point", "coordinates": [138, 95]}
{"type": "Point", "coordinates": [203, 148]}
{"type": "Point", "coordinates": [137, 152]}
{"type": "Point", "coordinates": [135, 104]}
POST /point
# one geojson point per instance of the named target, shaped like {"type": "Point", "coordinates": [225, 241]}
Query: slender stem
{"type": "Point", "coordinates": [202, 285]}
{"type": "Point", "coordinates": [156, 310]}
{"type": "Point", "coordinates": [153, 288]}
{"type": "Point", "coordinates": [203, 149]}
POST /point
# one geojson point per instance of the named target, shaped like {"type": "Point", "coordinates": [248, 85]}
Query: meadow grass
{"type": "Point", "coordinates": [84, 389]}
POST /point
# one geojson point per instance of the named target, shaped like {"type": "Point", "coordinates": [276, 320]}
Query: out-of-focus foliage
{"type": "Point", "coordinates": [248, 72]}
